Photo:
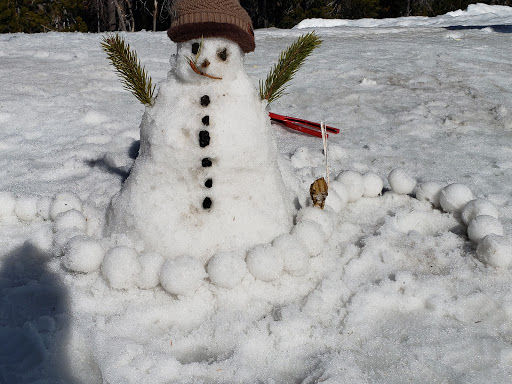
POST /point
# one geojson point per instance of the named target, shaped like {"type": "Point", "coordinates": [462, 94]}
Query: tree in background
{"type": "Point", "coordinates": [133, 15]}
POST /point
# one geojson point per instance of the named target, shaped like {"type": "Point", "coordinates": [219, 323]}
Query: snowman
{"type": "Point", "coordinates": [206, 179]}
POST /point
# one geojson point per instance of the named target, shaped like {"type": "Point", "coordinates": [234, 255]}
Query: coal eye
{"type": "Point", "coordinates": [195, 48]}
{"type": "Point", "coordinates": [223, 54]}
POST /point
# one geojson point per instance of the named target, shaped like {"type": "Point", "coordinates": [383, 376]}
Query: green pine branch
{"type": "Point", "coordinates": [290, 61]}
{"type": "Point", "coordinates": [128, 68]}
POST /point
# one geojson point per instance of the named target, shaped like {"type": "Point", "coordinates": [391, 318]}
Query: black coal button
{"type": "Point", "coordinates": [207, 203]}
{"type": "Point", "coordinates": [206, 162]}
{"type": "Point", "coordinates": [205, 100]}
{"type": "Point", "coordinates": [204, 139]}
{"type": "Point", "coordinates": [206, 120]}
{"type": "Point", "coordinates": [208, 183]}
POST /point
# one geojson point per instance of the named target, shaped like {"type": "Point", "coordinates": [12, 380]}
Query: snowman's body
{"type": "Point", "coordinates": [206, 179]}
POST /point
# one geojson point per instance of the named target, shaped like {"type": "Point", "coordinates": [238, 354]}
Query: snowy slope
{"type": "Point", "coordinates": [397, 294]}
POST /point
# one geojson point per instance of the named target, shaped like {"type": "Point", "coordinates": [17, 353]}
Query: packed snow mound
{"type": "Point", "coordinates": [474, 15]}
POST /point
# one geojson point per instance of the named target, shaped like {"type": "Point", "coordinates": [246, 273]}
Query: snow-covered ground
{"type": "Point", "coordinates": [397, 294]}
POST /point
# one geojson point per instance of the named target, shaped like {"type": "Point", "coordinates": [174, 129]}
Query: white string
{"type": "Point", "coordinates": [324, 140]}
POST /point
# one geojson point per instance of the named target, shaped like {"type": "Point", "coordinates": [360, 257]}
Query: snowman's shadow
{"type": "Point", "coordinates": [105, 164]}
{"type": "Point", "coordinates": [34, 322]}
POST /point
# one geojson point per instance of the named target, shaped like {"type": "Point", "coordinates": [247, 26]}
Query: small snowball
{"type": "Point", "coordinates": [227, 269]}
{"type": "Point", "coordinates": [354, 183]}
{"type": "Point", "coordinates": [373, 184]}
{"type": "Point", "coordinates": [335, 202]}
{"type": "Point", "coordinates": [311, 235]}
{"type": "Point", "coordinates": [64, 202]}
{"type": "Point", "coordinates": [341, 190]}
{"type": "Point", "coordinates": [478, 207]}
{"type": "Point", "coordinates": [82, 254]}
{"type": "Point", "coordinates": [400, 182]}
{"type": "Point", "coordinates": [7, 203]}
{"type": "Point", "coordinates": [26, 208]}
{"type": "Point", "coordinates": [495, 250]}
{"type": "Point", "coordinates": [151, 264]}
{"type": "Point", "coordinates": [320, 216]}
{"type": "Point", "coordinates": [482, 226]}
{"type": "Point", "coordinates": [70, 219]}
{"type": "Point", "coordinates": [43, 207]}
{"type": "Point", "coordinates": [182, 276]}
{"type": "Point", "coordinates": [121, 267]}
{"type": "Point", "coordinates": [295, 257]}
{"type": "Point", "coordinates": [264, 262]}
{"type": "Point", "coordinates": [454, 197]}
{"type": "Point", "coordinates": [429, 191]}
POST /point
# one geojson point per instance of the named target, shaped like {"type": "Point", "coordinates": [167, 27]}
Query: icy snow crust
{"type": "Point", "coordinates": [396, 293]}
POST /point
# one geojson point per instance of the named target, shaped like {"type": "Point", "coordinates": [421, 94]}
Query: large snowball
{"type": "Point", "coordinates": [83, 254]}
{"type": "Point", "coordinates": [121, 267]}
{"type": "Point", "coordinates": [354, 183]}
{"type": "Point", "coordinates": [320, 216]}
{"type": "Point", "coordinates": [400, 182]}
{"type": "Point", "coordinates": [478, 207]}
{"type": "Point", "coordinates": [295, 258]}
{"type": "Point", "coordinates": [264, 262]}
{"type": "Point", "coordinates": [7, 203]}
{"type": "Point", "coordinates": [70, 219]}
{"type": "Point", "coordinates": [182, 276]}
{"type": "Point", "coordinates": [227, 269]}
{"type": "Point", "coordinates": [495, 250]}
{"type": "Point", "coordinates": [151, 264]}
{"type": "Point", "coordinates": [430, 192]}
{"type": "Point", "coordinates": [373, 184]}
{"type": "Point", "coordinates": [482, 226]}
{"type": "Point", "coordinates": [26, 208]}
{"type": "Point", "coordinates": [454, 197]}
{"type": "Point", "coordinates": [311, 235]}
{"type": "Point", "coordinates": [64, 202]}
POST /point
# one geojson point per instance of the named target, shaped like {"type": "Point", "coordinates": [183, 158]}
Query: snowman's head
{"type": "Point", "coordinates": [207, 58]}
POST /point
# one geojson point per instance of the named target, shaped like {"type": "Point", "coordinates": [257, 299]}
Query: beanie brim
{"type": "Point", "coordinates": [190, 31]}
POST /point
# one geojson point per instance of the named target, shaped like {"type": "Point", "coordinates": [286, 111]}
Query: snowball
{"type": "Point", "coordinates": [43, 207]}
{"type": "Point", "coordinates": [400, 182]}
{"type": "Point", "coordinates": [64, 202]}
{"type": "Point", "coordinates": [478, 207]}
{"type": "Point", "coordinates": [430, 192]}
{"type": "Point", "coordinates": [264, 262]}
{"type": "Point", "coordinates": [26, 208]}
{"type": "Point", "coordinates": [182, 276]}
{"type": "Point", "coordinates": [354, 183]}
{"type": "Point", "coordinates": [83, 254]}
{"type": "Point", "coordinates": [495, 250]}
{"type": "Point", "coordinates": [320, 216]}
{"type": "Point", "coordinates": [335, 202]}
{"type": "Point", "coordinates": [341, 190]}
{"type": "Point", "coordinates": [42, 239]}
{"type": "Point", "coordinates": [227, 269]}
{"type": "Point", "coordinates": [151, 264]}
{"type": "Point", "coordinates": [454, 197]}
{"type": "Point", "coordinates": [7, 203]}
{"type": "Point", "coordinates": [482, 226]}
{"type": "Point", "coordinates": [121, 267]}
{"type": "Point", "coordinates": [295, 257]}
{"type": "Point", "coordinates": [373, 184]}
{"type": "Point", "coordinates": [70, 219]}
{"type": "Point", "coordinates": [61, 238]}
{"type": "Point", "coordinates": [311, 235]}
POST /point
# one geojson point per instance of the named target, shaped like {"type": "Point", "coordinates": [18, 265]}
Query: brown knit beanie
{"type": "Point", "coordinates": [194, 19]}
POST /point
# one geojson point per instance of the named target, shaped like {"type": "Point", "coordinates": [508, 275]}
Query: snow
{"type": "Point", "coordinates": [398, 293]}
{"type": "Point", "coordinates": [454, 197]}
{"type": "Point", "coordinates": [401, 182]}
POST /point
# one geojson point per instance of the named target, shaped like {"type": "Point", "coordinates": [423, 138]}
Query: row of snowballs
{"type": "Point", "coordinates": [123, 267]}
{"type": "Point", "coordinates": [479, 215]}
